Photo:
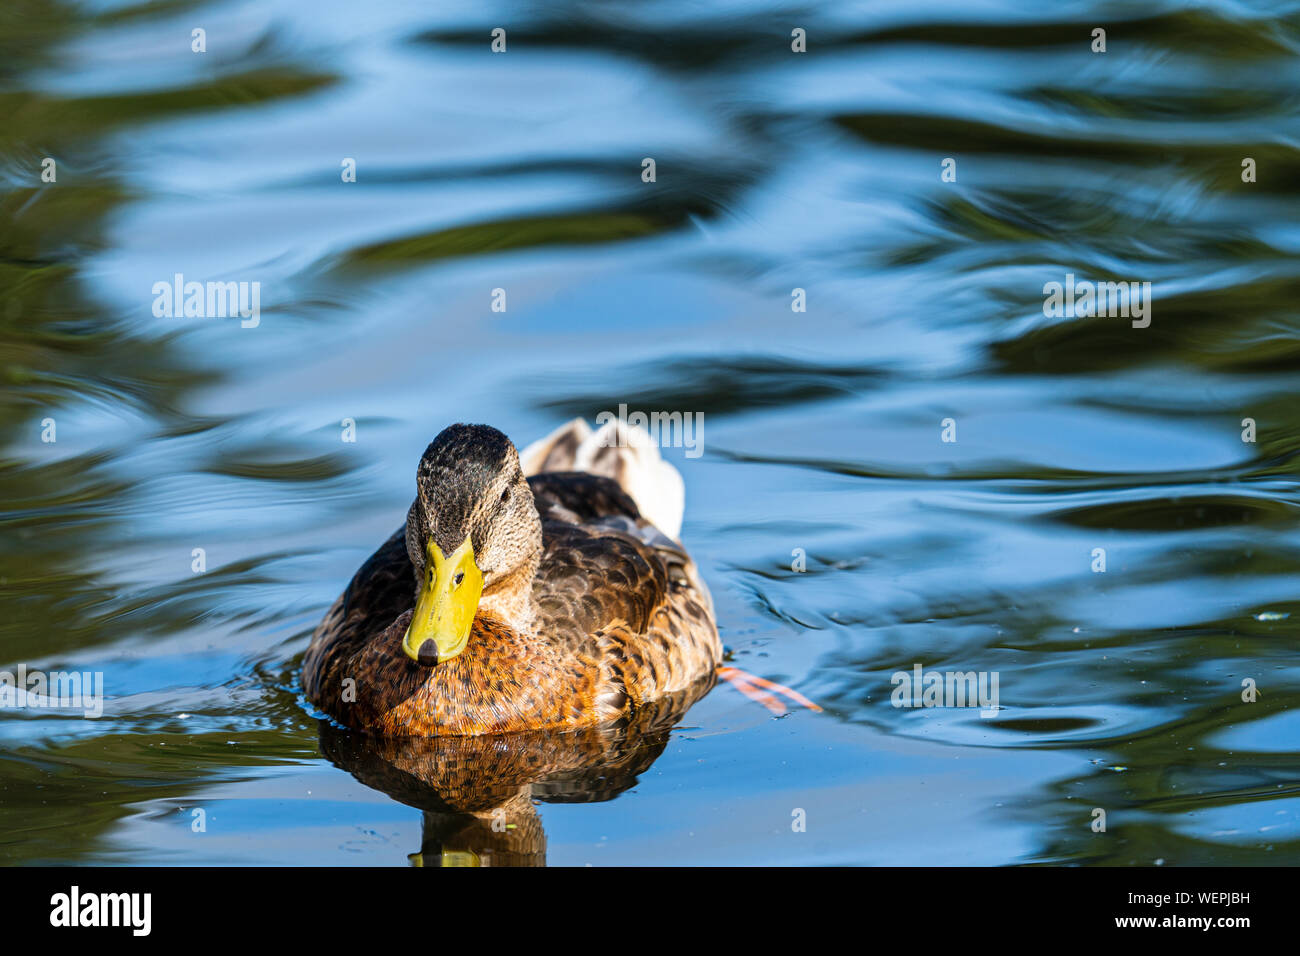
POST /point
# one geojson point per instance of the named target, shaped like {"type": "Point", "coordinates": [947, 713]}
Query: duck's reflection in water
{"type": "Point", "coordinates": [479, 794]}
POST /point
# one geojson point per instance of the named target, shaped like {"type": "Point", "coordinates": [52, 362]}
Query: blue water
{"type": "Point", "coordinates": [1120, 690]}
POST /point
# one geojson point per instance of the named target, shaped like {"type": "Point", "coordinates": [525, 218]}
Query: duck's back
{"type": "Point", "coordinates": [611, 579]}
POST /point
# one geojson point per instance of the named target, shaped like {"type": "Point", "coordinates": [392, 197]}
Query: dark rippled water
{"type": "Point", "coordinates": [775, 170]}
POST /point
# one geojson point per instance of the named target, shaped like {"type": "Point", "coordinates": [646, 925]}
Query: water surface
{"type": "Point", "coordinates": [776, 171]}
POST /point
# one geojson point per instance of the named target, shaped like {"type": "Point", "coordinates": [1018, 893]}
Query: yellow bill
{"type": "Point", "coordinates": [445, 608]}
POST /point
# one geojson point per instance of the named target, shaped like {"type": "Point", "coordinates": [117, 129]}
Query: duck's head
{"type": "Point", "coordinates": [473, 534]}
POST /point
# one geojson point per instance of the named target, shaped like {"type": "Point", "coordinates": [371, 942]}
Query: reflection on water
{"type": "Point", "coordinates": [477, 792]}
{"type": "Point", "coordinates": [198, 508]}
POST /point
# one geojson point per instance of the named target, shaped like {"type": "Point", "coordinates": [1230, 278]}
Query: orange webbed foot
{"type": "Point", "coordinates": [751, 685]}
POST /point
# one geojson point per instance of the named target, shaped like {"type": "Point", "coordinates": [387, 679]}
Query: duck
{"type": "Point", "coordinates": [523, 592]}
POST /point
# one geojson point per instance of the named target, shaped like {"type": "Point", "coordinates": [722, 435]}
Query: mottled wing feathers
{"type": "Point", "coordinates": [594, 577]}
{"type": "Point", "coordinates": [578, 497]}
{"type": "Point", "coordinates": [611, 577]}
{"type": "Point", "coordinates": [382, 589]}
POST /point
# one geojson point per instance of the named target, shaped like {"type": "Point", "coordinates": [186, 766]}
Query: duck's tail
{"type": "Point", "coordinates": [624, 453]}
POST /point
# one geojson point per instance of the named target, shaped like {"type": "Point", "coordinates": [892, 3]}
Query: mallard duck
{"type": "Point", "coordinates": [512, 602]}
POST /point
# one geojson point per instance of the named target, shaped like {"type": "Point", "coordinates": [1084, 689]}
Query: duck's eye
{"type": "Point", "coordinates": [505, 496]}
